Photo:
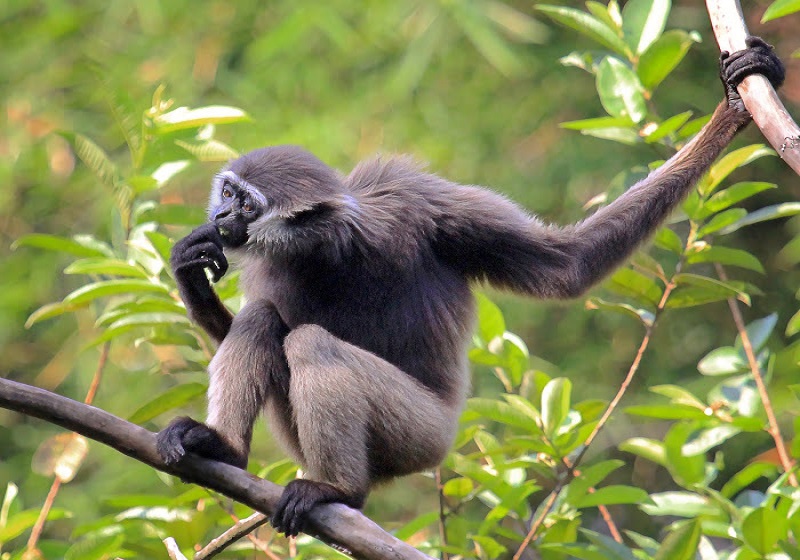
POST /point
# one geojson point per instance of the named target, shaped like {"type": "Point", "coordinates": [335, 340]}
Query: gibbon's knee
{"type": "Point", "coordinates": [309, 345]}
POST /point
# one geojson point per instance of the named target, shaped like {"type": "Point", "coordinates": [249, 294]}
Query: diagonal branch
{"type": "Point", "coordinates": [335, 524]}
{"type": "Point", "coordinates": [758, 95]}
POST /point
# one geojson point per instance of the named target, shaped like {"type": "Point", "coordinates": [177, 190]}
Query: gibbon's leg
{"type": "Point", "coordinates": [248, 368]}
{"type": "Point", "coordinates": [359, 419]}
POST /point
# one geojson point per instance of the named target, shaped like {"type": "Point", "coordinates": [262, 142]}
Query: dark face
{"type": "Point", "coordinates": [233, 209]}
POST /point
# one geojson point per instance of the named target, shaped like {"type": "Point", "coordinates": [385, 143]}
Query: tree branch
{"type": "Point", "coordinates": [758, 95]}
{"type": "Point", "coordinates": [337, 525]}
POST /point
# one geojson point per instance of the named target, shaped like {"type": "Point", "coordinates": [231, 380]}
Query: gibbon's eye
{"type": "Point", "coordinates": [226, 191]}
{"type": "Point", "coordinates": [248, 206]}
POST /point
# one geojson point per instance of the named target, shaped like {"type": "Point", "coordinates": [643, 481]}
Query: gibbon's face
{"type": "Point", "coordinates": [263, 191]}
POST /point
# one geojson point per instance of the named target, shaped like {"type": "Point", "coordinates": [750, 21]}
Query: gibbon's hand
{"type": "Point", "coordinates": [758, 58]}
{"type": "Point", "coordinates": [199, 250]}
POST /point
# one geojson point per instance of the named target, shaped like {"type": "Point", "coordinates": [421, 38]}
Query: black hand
{"type": "Point", "coordinates": [758, 58]}
{"type": "Point", "coordinates": [299, 498]}
{"type": "Point", "coordinates": [199, 250]}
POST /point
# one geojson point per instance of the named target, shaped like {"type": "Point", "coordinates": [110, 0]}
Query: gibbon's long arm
{"type": "Point", "coordinates": [490, 238]}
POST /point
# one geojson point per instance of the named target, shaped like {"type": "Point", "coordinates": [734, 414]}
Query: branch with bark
{"type": "Point", "coordinates": [758, 95]}
{"type": "Point", "coordinates": [337, 525]}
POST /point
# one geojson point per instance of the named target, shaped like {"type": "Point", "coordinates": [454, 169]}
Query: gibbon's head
{"type": "Point", "coordinates": [274, 195]}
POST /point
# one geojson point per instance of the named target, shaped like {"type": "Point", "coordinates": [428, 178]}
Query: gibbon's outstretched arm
{"type": "Point", "coordinates": [490, 238]}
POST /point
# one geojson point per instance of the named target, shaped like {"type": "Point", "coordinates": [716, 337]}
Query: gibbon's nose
{"type": "Point", "coordinates": [222, 214]}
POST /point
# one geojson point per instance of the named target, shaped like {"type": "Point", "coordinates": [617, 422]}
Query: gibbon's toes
{"type": "Point", "coordinates": [169, 446]}
{"type": "Point", "coordinates": [300, 497]}
{"type": "Point", "coordinates": [758, 58]}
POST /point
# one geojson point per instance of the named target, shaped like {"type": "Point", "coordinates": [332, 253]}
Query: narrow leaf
{"type": "Point", "coordinates": [667, 127]}
{"type": "Point", "coordinates": [110, 267]}
{"type": "Point", "coordinates": [642, 315]}
{"type": "Point", "coordinates": [765, 214]}
{"type": "Point", "coordinates": [113, 287]}
{"type": "Point", "coordinates": [780, 8]}
{"type": "Point", "coordinates": [55, 243]}
{"type": "Point", "coordinates": [682, 543]}
{"type": "Point", "coordinates": [183, 118]}
{"type": "Point", "coordinates": [586, 24]}
{"type": "Point", "coordinates": [614, 494]}
{"type": "Point", "coordinates": [168, 400]}
{"type": "Point", "coordinates": [726, 256]}
{"type": "Point", "coordinates": [650, 449]}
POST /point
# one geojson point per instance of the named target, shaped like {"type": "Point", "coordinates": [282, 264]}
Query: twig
{"type": "Point", "coordinates": [242, 528]}
{"type": "Point", "coordinates": [335, 524]}
{"type": "Point", "coordinates": [38, 527]}
{"type": "Point", "coordinates": [442, 517]}
{"type": "Point", "coordinates": [758, 95]}
{"type": "Point", "coordinates": [173, 549]}
{"type": "Point", "coordinates": [774, 429]}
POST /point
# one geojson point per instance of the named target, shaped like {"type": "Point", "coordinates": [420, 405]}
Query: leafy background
{"type": "Point", "coordinates": [477, 89]}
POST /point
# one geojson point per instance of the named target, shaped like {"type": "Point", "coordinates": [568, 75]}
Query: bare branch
{"type": "Point", "coordinates": [337, 525]}
{"type": "Point", "coordinates": [758, 95]}
{"type": "Point", "coordinates": [242, 528]}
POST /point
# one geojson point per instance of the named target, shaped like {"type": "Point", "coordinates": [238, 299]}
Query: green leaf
{"type": "Point", "coordinates": [613, 550]}
{"type": "Point", "coordinates": [555, 405]}
{"type": "Point", "coordinates": [614, 494]}
{"type": "Point", "coordinates": [94, 158]}
{"type": "Point", "coordinates": [758, 332]}
{"type": "Point", "coordinates": [721, 221]}
{"type": "Point", "coordinates": [183, 118]}
{"type": "Point", "coordinates": [681, 543]}
{"type": "Point", "coordinates": [722, 361]}
{"type": "Point", "coordinates": [729, 289]}
{"type": "Point", "coordinates": [589, 477]}
{"type": "Point", "coordinates": [668, 240]}
{"type": "Point", "coordinates": [726, 256]}
{"type": "Point", "coordinates": [55, 243]}
{"type": "Point", "coordinates": [650, 449]}
{"type": "Point", "coordinates": [763, 528]}
{"type": "Point", "coordinates": [606, 14]}
{"type": "Point", "coordinates": [793, 326]}
{"type": "Point", "coordinates": [709, 438]}
{"type": "Point", "coordinates": [416, 525]}
{"type": "Point", "coordinates": [680, 504]}
{"type": "Point", "coordinates": [729, 163]}
{"type": "Point", "coordinates": [586, 24]}
{"type": "Point", "coordinates": [678, 395]}
{"type": "Point", "coordinates": [687, 470]}
{"type": "Point", "coordinates": [636, 285]}
{"type": "Point", "coordinates": [663, 56]}
{"type": "Point", "coordinates": [175, 214]}
{"type": "Point", "coordinates": [780, 8]}
{"type": "Point", "coordinates": [643, 22]}
{"type": "Point", "coordinates": [622, 135]}
{"type": "Point", "coordinates": [458, 488]}
{"type": "Point", "coordinates": [765, 214]}
{"type": "Point", "coordinates": [642, 315]}
{"type": "Point", "coordinates": [666, 412]}
{"type": "Point", "coordinates": [20, 522]}
{"type": "Point", "coordinates": [747, 476]}
{"type": "Point", "coordinates": [48, 311]}
{"type": "Point", "coordinates": [620, 90]}
{"type": "Point", "coordinates": [208, 150]}
{"type": "Point", "coordinates": [490, 319]}
{"type": "Point", "coordinates": [167, 170]}
{"type": "Point", "coordinates": [732, 195]}
{"type": "Point", "coordinates": [97, 290]}
{"type": "Point", "coordinates": [499, 412]}
{"type": "Point", "coordinates": [110, 267]}
{"type": "Point", "coordinates": [667, 127]}
{"type": "Point", "coordinates": [168, 400]}
{"type": "Point", "coordinates": [482, 34]}
{"type": "Point", "coordinates": [96, 547]}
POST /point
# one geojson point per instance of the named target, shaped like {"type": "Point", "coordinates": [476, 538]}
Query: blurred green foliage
{"type": "Point", "coordinates": [476, 89]}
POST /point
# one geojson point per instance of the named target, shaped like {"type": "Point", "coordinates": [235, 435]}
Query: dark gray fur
{"type": "Point", "coordinates": [359, 308]}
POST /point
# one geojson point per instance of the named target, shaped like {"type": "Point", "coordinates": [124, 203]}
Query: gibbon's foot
{"type": "Point", "coordinates": [758, 58]}
{"type": "Point", "coordinates": [185, 434]}
{"type": "Point", "coordinates": [300, 497]}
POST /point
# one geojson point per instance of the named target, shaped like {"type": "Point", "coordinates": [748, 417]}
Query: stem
{"type": "Point", "coordinates": [442, 517]}
{"type": "Point", "coordinates": [774, 429]}
{"type": "Point", "coordinates": [38, 527]}
{"type": "Point", "coordinates": [603, 419]}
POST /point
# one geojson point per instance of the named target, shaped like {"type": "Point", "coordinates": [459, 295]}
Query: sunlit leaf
{"type": "Point", "coordinates": [793, 326]}
{"type": "Point", "coordinates": [97, 290]}
{"type": "Point", "coordinates": [48, 311]}
{"type": "Point", "coordinates": [605, 14]}
{"type": "Point", "coordinates": [600, 122]}
{"type": "Point", "coordinates": [680, 504]}
{"type": "Point", "coordinates": [612, 549]}
{"type": "Point", "coordinates": [668, 240]}
{"type": "Point", "coordinates": [767, 213]}
{"type": "Point", "coordinates": [625, 136]}
{"type": "Point", "coordinates": [663, 55]}
{"type": "Point", "coordinates": [490, 319]}
{"type": "Point", "coordinates": [687, 470]}
{"type": "Point", "coordinates": [620, 90]}
{"type": "Point", "coordinates": [667, 127]}
{"type": "Point", "coordinates": [555, 404]}
{"type": "Point", "coordinates": [60, 456]}
{"type": "Point", "coordinates": [183, 118]}
{"type": "Point", "coordinates": [648, 448]}
{"type": "Point", "coordinates": [104, 266]}
{"type": "Point", "coordinates": [498, 411]}
{"type": "Point", "coordinates": [168, 400]}
{"type": "Point", "coordinates": [722, 361]}
{"type": "Point", "coordinates": [747, 476]}
{"type": "Point", "coordinates": [458, 488]}
{"type": "Point", "coordinates": [643, 22]}
{"type": "Point", "coordinates": [55, 243]}
{"type": "Point", "coordinates": [709, 438]}
{"type": "Point", "coordinates": [780, 8]}
{"type": "Point", "coordinates": [636, 285]}
{"type": "Point", "coordinates": [666, 412]}
{"type": "Point", "coordinates": [208, 150]}
{"type": "Point", "coordinates": [678, 395]}
{"type": "Point", "coordinates": [587, 25]}
{"type": "Point", "coordinates": [758, 332]}
{"type": "Point", "coordinates": [729, 163]}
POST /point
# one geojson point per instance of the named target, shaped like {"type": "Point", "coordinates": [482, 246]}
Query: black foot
{"type": "Point", "coordinates": [300, 497]}
{"type": "Point", "coordinates": [758, 58]}
{"type": "Point", "coordinates": [184, 434]}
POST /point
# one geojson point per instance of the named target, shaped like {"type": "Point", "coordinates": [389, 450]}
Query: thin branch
{"type": "Point", "coordinates": [774, 429]}
{"type": "Point", "coordinates": [242, 528]}
{"type": "Point", "coordinates": [442, 515]}
{"type": "Point", "coordinates": [758, 95]}
{"type": "Point", "coordinates": [339, 526]}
